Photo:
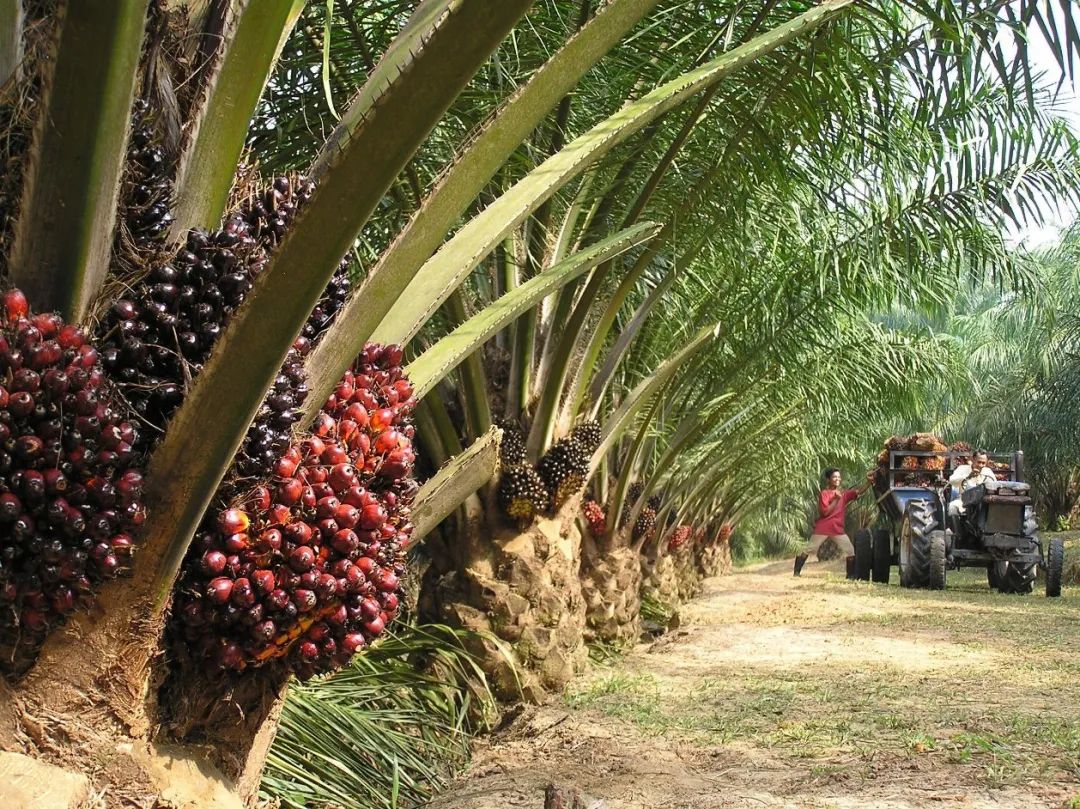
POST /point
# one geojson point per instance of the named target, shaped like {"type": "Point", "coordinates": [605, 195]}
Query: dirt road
{"type": "Point", "coordinates": [813, 692]}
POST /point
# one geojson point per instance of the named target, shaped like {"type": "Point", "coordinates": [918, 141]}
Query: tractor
{"type": "Point", "coordinates": [996, 529]}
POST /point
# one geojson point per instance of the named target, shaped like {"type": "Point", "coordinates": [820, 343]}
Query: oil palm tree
{"type": "Point", "coordinates": [94, 205]}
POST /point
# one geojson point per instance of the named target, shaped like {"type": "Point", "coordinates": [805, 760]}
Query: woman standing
{"type": "Point", "coordinates": [832, 510]}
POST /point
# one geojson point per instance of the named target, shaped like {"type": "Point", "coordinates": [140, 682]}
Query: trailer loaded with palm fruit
{"type": "Point", "coordinates": [996, 528]}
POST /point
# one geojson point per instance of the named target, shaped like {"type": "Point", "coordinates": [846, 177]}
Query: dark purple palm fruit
{"type": "Point", "coordinates": [564, 469]}
{"type": "Point", "coordinates": [271, 430]}
{"type": "Point", "coordinates": [645, 525]}
{"type": "Point", "coordinates": [633, 493]}
{"type": "Point", "coordinates": [147, 186]}
{"type": "Point", "coordinates": [522, 494]}
{"type": "Point", "coordinates": [307, 567]}
{"type": "Point", "coordinates": [70, 485]}
{"type": "Point", "coordinates": [158, 337]}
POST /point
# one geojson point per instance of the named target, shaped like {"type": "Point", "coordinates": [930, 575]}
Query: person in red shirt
{"type": "Point", "coordinates": [832, 509]}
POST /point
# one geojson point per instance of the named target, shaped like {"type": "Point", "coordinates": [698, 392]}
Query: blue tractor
{"type": "Point", "coordinates": [996, 529]}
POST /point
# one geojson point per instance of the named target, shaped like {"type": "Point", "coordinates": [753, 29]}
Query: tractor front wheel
{"type": "Point", "coordinates": [1017, 579]}
{"type": "Point", "coordinates": [1055, 562]}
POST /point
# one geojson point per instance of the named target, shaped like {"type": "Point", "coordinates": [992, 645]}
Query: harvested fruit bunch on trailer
{"type": "Point", "coordinates": [995, 527]}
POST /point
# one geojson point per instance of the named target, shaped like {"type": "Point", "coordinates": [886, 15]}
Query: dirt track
{"type": "Point", "coordinates": [813, 692]}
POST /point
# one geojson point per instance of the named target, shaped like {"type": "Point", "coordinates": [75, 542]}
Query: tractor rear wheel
{"type": "Point", "coordinates": [882, 556]}
{"type": "Point", "coordinates": [1055, 561]}
{"type": "Point", "coordinates": [922, 548]}
{"type": "Point", "coordinates": [863, 554]}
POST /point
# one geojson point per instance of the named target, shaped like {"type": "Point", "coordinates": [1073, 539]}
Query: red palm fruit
{"type": "Point", "coordinates": [213, 563]}
{"type": "Point", "coordinates": [299, 532]}
{"type": "Point", "coordinates": [277, 599]}
{"type": "Point", "coordinates": [313, 447]}
{"type": "Point", "coordinates": [338, 617]}
{"type": "Point", "coordinates": [345, 542]}
{"type": "Point", "coordinates": [121, 544]}
{"type": "Point", "coordinates": [323, 426]}
{"type": "Point", "coordinates": [278, 515]}
{"type": "Point", "coordinates": [237, 543]}
{"type": "Point", "coordinates": [352, 643]}
{"type": "Point", "coordinates": [355, 578]}
{"type": "Point", "coordinates": [357, 413]}
{"type": "Point", "coordinates": [370, 609]}
{"type": "Point", "coordinates": [387, 582]}
{"type": "Point", "coordinates": [389, 602]}
{"type": "Point", "coordinates": [387, 441]}
{"type": "Point", "coordinates": [326, 587]}
{"type": "Point", "coordinates": [243, 594]}
{"type": "Point", "coordinates": [308, 650]}
{"type": "Point", "coordinates": [346, 516]}
{"type": "Point", "coordinates": [290, 492]}
{"type": "Point", "coordinates": [382, 419]}
{"type": "Point", "coordinates": [233, 521]}
{"type": "Point", "coordinates": [366, 565]}
{"type": "Point", "coordinates": [302, 559]}
{"type": "Point", "coordinates": [342, 477]}
{"type": "Point", "coordinates": [309, 579]}
{"type": "Point", "coordinates": [10, 507]}
{"type": "Point", "coordinates": [15, 305]}
{"type": "Point", "coordinates": [269, 541]}
{"type": "Point", "coordinates": [70, 337]}
{"type": "Point", "coordinates": [263, 581]}
{"type": "Point", "coordinates": [219, 590]}
{"type": "Point", "coordinates": [325, 507]}
{"type": "Point", "coordinates": [375, 626]}
{"type": "Point", "coordinates": [372, 517]}
{"type": "Point", "coordinates": [335, 454]}
{"type": "Point", "coordinates": [285, 468]}
{"type": "Point", "coordinates": [308, 499]}
{"type": "Point", "coordinates": [260, 499]}
{"type": "Point", "coordinates": [304, 600]}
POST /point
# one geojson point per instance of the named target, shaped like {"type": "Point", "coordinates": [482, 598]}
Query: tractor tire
{"type": "Point", "coordinates": [922, 548]}
{"type": "Point", "coordinates": [882, 557]}
{"type": "Point", "coordinates": [1055, 562]}
{"type": "Point", "coordinates": [1017, 579]}
{"type": "Point", "coordinates": [863, 554]}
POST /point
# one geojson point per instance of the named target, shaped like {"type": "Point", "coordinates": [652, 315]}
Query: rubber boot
{"type": "Point", "coordinates": [800, 560]}
{"type": "Point", "coordinates": [850, 561]}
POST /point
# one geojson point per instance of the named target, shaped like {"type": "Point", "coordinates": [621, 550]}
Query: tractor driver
{"type": "Point", "coordinates": [968, 476]}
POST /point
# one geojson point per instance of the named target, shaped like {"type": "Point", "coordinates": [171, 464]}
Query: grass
{"type": "Point", "coordinates": [996, 693]}
{"type": "Point", "coordinates": [387, 732]}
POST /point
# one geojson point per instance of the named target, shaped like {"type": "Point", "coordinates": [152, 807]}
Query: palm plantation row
{"type": "Point", "coordinates": [634, 242]}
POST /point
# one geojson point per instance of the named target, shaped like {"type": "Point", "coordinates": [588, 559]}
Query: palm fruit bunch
{"type": "Point", "coordinates": [964, 449]}
{"type": "Point", "coordinates": [158, 337]}
{"type": "Point", "coordinates": [645, 525]}
{"type": "Point", "coordinates": [70, 485]}
{"type": "Point", "coordinates": [633, 494]}
{"type": "Point", "coordinates": [679, 537]}
{"type": "Point", "coordinates": [565, 467]}
{"type": "Point", "coordinates": [595, 517]}
{"type": "Point", "coordinates": [146, 183]}
{"type": "Point", "coordinates": [271, 430]}
{"type": "Point", "coordinates": [724, 536]}
{"type": "Point", "coordinates": [522, 494]}
{"type": "Point", "coordinates": [512, 448]}
{"type": "Point", "coordinates": [307, 568]}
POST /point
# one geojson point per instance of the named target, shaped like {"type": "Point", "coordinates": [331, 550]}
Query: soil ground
{"type": "Point", "coordinates": [813, 692]}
